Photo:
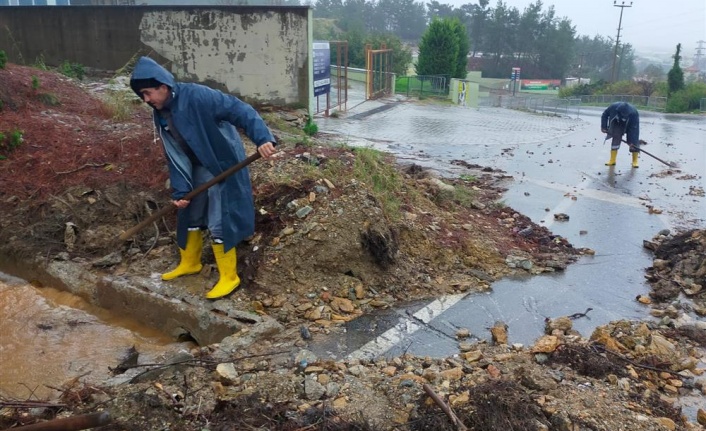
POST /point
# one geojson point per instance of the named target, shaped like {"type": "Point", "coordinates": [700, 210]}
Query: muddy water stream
{"type": "Point", "coordinates": [48, 337]}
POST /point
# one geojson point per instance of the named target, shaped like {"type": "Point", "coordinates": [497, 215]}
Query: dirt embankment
{"type": "Point", "coordinates": [340, 232]}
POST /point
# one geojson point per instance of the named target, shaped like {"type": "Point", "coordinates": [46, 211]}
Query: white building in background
{"type": "Point", "coordinates": [34, 2]}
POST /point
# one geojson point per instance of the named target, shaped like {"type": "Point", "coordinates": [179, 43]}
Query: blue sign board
{"type": "Point", "coordinates": [515, 76]}
{"type": "Point", "coordinates": [322, 68]}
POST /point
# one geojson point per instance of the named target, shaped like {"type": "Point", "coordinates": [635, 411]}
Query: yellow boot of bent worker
{"type": "Point", "coordinates": [227, 269]}
{"type": "Point", "coordinates": [634, 159]}
{"type": "Point", "coordinates": [190, 262]}
{"type": "Point", "coordinates": [613, 156]}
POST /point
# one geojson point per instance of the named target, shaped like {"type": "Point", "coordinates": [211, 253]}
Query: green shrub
{"type": "Point", "coordinates": [687, 99]}
{"type": "Point", "coordinates": [49, 99]}
{"type": "Point", "coordinates": [35, 82]}
{"type": "Point", "coordinates": [622, 87]}
{"type": "Point", "coordinates": [677, 102]}
{"type": "Point", "coordinates": [72, 70]}
{"type": "Point", "coordinates": [3, 59]}
{"type": "Point", "coordinates": [310, 128]}
{"type": "Point", "coordinates": [9, 142]}
{"type": "Point", "coordinates": [39, 63]}
{"type": "Point", "coordinates": [16, 138]}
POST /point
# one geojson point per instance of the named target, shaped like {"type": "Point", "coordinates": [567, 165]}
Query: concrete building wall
{"type": "Point", "coordinates": [258, 53]}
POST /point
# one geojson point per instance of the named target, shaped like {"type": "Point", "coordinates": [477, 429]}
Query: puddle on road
{"type": "Point", "coordinates": [48, 337]}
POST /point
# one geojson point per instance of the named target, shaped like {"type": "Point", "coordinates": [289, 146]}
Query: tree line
{"type": "Point", "coordinates": [542, 44]}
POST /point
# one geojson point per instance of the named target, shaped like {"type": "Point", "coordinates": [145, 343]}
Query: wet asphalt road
{"type": "Point", "coordinates": [558, 167]}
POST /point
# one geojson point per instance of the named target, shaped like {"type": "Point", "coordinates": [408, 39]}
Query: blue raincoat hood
{"type": "Point", "coordinates": [146, 68]}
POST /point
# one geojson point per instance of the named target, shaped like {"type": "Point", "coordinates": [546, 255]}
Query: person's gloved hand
{"type": "Point", "coordinates": [604, 130]}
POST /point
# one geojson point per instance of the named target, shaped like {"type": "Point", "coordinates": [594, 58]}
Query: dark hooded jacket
{"type": "Point", "coordinates": [207, 121]}
{"type": "Point", "coordinates": [627, 115]}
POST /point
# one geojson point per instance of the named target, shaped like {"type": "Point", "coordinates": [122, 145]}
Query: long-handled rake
{"type": "Point", "coordinates": [670, 164]}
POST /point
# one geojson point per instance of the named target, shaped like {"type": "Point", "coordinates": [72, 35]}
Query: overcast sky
{"type": "Point", "coordinates": [647, 24]}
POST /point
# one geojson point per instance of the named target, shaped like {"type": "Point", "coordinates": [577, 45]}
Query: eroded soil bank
{"type": "Point", "coordinates": [340, 231]}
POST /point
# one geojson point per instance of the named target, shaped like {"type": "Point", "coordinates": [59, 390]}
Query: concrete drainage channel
{"type": "Point", "coordinates": [181, 317]}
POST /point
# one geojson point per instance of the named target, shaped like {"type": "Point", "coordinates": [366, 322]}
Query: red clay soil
{"type": "Point", "coordinates": [97, 152]}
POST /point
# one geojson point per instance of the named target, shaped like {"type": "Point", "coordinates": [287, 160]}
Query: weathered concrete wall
{"type": "Point", "coordinates": [258, 53]}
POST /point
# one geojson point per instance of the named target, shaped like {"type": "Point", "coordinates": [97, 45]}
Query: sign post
{"type": "Point", "coordinates": [322, 71]}
{"type": "Point", "coordinates": [515, 77]}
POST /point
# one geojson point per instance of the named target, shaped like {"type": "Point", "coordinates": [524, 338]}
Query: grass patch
{"type": "Point", "coordinates": [386, 183]}
{"type": "Point", "coordinates": [334, 168]}
{"type": "Point", "coordinates": [48, 99]}
{"type": "Point", "coordinates": [460, 196]}
{"type": "Point", "coordinates": [39, 63]}
{"type": "Point", "coordinates": [120, 104]}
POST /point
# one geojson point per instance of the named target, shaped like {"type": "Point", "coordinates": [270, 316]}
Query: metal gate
{"type": "Point", "coordinates": [378, 64]}
{"type": "Point", "coordinates": [337, 97]}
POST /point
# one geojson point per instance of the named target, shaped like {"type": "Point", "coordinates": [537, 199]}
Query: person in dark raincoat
{"type": "Point", "coordinates": [618, 119]}
{"type": "Point", "coordinates": [197, 126]}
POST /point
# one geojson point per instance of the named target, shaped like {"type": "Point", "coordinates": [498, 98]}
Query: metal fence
{"type": "Point", "coordinates": [570, 107]}
{"type": "Point", "coordinates": [653, 102]}
{"type": "Point", "coordinates": [702, 105]}
{"type": "Point", "coordinates": [423, 85]}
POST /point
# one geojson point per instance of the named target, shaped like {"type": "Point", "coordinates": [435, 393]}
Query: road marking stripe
{"type": "Point", "coordinates": [393, 336]}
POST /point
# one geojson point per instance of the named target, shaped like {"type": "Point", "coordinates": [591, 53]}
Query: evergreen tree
{"type": "Point", "coordinates": [461, 69]}
{"type": "Point", "coordinates": [675, 77]}
{"type": "Point", "coordinates": [438, 49]}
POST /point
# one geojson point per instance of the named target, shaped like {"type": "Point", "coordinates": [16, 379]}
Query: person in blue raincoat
{"type": "Point", "coordinates": [618, 119]}
{"type": "Point", "coordinates": [197, 126]}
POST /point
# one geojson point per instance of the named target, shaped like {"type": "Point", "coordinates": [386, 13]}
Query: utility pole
{"type": "Point", "coordinates": [622, 6]}
{"type": "Point", "coordinates": [699, 54]}
{"type": "Point", "coordinates": [580, 66]}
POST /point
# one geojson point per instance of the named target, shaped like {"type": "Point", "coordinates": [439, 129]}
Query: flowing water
{"type": "Point", "coordinates": [49, 337]}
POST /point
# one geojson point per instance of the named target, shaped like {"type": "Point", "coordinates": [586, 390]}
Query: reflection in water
{"type": "Point", "coordinates": [47, 338]}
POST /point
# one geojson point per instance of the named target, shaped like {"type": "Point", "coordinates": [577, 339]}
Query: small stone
{"type": "Point", "coordinates": [499, 333]}
{"type": "Point", "coordinates": [642, 299]}
{"type": "Point", "coordinates": [463, 333]}
{"type": "Point", "coordinates": [701, 417]}
{"type": "Point", "coordinates": [667, 423]}
{"type": "Point", "coordinates": [473, 356]}
{"type": "Point", "coordinates": [452, 374]}
{"type": "Point", "coordinates": [390, 370]}
{"type": "Point", "coordinates": [227, 371]}
{"type": "Point", "coordinates": [304, 211]}
{"type": "Point", "coordinates": [493, 371]}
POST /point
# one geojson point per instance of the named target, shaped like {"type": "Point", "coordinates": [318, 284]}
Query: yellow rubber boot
{"type": "Point", "coordinates": [634, 159]}
{"type": "Point", "coordinates": [613, 156]}
{"type": "Point", "coordinates": [227, 269]}
{"type": "Point", "coordinates": [190, 262]}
